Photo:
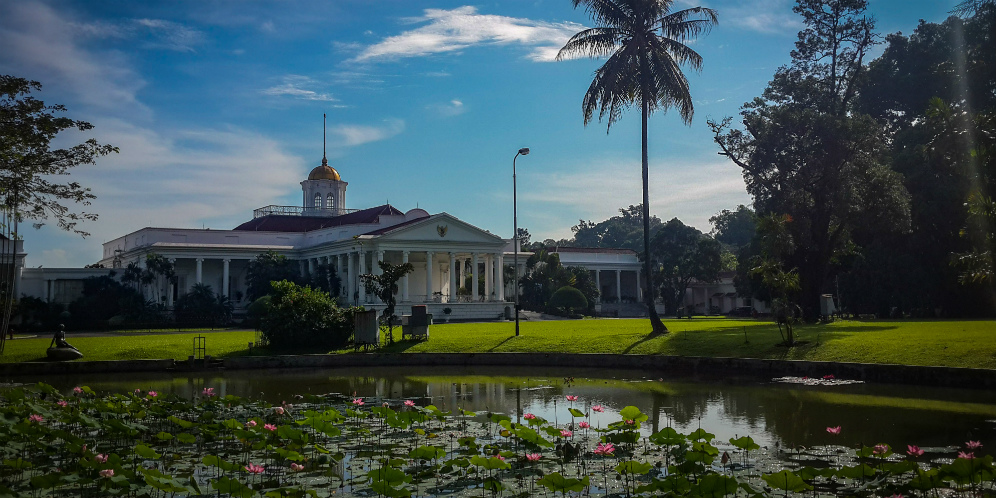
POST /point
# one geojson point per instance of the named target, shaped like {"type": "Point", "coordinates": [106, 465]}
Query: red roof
{"type": "Point", "coordinates": [283, 223]}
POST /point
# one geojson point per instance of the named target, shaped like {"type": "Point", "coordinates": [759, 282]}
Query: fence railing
{"type": "Point", "coordinates": [298, 211]}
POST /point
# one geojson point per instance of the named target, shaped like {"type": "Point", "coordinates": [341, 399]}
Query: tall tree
{"type": "Point", "coordinates": [385, 287]}
{"type": "Point", "coordinates": [735, 228]}
{"type": "Point", "coordinates": [269, 267]}
{"type": "Point", "coordinates": [645, 45]}
{"type": "Point", "coordinates": [623, 231]}
{"type": "Point", "coordinates": [681, 254]}
{"type": "Point", "coordinates": [30, 168]}
{"type": "Point", "coordinates": [806, 153]}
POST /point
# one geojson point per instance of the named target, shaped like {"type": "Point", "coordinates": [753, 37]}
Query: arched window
{"type": "Point", "coordinates": [318, 201]}
{"type": "Point", "coordinates": [331, 202]}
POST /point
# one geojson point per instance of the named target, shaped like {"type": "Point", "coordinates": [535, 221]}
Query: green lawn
{"type": "Point", "coordinates": [958, 343]}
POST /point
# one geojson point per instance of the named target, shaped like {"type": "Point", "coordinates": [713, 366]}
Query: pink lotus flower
{"type": "Point", "coordinates": [605, 449]}
{"type": "Point", "coordinates": [296, 467]}
{"type": "Point", "coordinates": [358, 402]}
{"type": "Point", "coordinates": [255, 469]}
{"type": "Point", "coordinates": [880, 449]}
{"type": "Point", "coordinates": [828, 377]}
{"type": "Point", "coordinates": [583, 425]}
{"type": "Point", "coordinates": [630, 422]}
{"type": "Point", "coordinates": [597, 408]}
{"type": "Point", "coordinates": [270, 427]}
{"type": "Point", "coordinates": [532, 457]}
{"type": "Point", "coordinates": [153, 394]}
{"type": "Point", "coordinates": [897, 495]}
{"type": "Point", "coordinates": [571, 398]}
{"type": "Point", "coordinates": [834, 430]}
{"type": "Point", "coordinates": [973, 445]}
{"type": "Point", "coordinates": [566, 433]}
{"type": "Point", "coordinates": [279, 410]}
{"type": "Point", "coordinates": [913, 450]}
{"type": "Point", "coordinates": [499, 457]}
{"type": "Point", "coordinates": [101, 458]}
{"type": "Point", "coordinates": [62, 403]}
{"type": "Point", "coordinates": [409, 403]}
{"type": "Point", "coordinates": [969, 455]}
{"type": "Point", "coordinates": [208, 391]}
{"type": "Point", "coordinates": [78, 390]}
{"type": "Point", "coordinates": [385, 404]}
{"type": "Point", "coordinates": [529, 416]}
{"type": "Point", "coordinates": [36, 418]}
{"type": "Point", "coordinates": [250, 424]}
{"type": "Point", "coordinates": [106, 473]}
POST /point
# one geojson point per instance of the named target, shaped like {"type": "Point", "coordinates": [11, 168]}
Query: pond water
{"type": "Point", "coordinates": [772, 413]}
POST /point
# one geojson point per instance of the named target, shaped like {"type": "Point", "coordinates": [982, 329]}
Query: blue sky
{"type": "Point", "coordinates": [217, 108]}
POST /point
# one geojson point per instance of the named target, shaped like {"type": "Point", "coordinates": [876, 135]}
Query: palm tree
{"type": "Point", "coordinates": [645, 46]}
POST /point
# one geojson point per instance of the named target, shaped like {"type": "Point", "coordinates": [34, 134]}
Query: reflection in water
{"type": "Point", "coordinates": [792, 415]}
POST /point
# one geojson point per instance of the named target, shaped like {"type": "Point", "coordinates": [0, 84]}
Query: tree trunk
{"type": "Point", "coordinates": [656, 324]}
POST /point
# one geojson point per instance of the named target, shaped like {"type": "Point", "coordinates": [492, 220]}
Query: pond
{"type": "Point", "coordinates": [788, 421]}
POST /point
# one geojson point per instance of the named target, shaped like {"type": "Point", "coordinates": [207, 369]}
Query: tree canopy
{"type": "Point", "coordinates": [680, 254]}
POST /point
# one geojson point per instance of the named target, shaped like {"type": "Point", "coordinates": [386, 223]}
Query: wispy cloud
{"type": "Point", "coordinates": [762, 16]}
{"type": "Point", "coordinates": [170, 35]}
{"type": "Point", "coordinates": [452, 108]}
{"type": "Point", "coordinates": [453, 30]}
{"type": "Point", "coordinates": [299, 87]}
{"type": "Point", "coordinates": [352, 135]}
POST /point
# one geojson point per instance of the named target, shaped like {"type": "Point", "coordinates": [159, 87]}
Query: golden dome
{"type": "Point", "coordinates": [324, 172]}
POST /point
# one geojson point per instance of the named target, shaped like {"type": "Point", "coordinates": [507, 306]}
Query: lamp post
{"type": "Point", "coordinates": [515, 220]}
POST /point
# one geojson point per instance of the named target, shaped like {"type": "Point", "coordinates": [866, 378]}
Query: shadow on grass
{"type": "Point", "coordinates": [496, 346]}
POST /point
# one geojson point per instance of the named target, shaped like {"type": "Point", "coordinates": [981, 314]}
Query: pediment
{"type": "Point", "coordinates": [440, 228]}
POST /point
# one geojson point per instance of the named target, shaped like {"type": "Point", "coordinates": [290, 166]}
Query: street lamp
{"type": "Point", "coordinates": [515, 220]}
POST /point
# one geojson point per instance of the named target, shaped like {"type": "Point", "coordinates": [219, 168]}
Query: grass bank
{"type": "Point", "coordinates": [954, 343]}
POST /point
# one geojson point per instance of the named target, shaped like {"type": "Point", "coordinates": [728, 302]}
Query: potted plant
{"type": "Point", "coordinates": [447, 311]}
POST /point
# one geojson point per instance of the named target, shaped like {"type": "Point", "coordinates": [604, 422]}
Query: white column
{"type": "Point", "coordinates": [489, 274]}
{"type": "Point", "coordinates": [598, 285]}
{"type": "Point", "coordinates": [300, 266]}
{"type": "Point", "coordinates": [351, 277]}
{"type": "Point", "coordinates": [618, 286]}
{"type": "Point", "coordinates": [500, 276]}
{"type": "Point", "coordinates": [224, 277]}
{"type": "Point", "coordinates": [200, 270]}
{"type": "Point", "coordinates": [428, 276]}
{"type": "Point", "coordinates": [338, 273]}
{"type": "Point", "coordinates": [404, 279]}
{"type": "Point", "coordinates": [169, 285]}
{"type": "Point", "coordinates": [378, 271]}
{"type": "Point", "coordinates": [639, 290]}
{"type": "Point", "coordinates": [18, 272]}
{"type": "Point", "coordinates": [362, 271]}
{"type": "Point", "coordinates": [463, 272]}
{"type": "Point", "coordinates": [453, 277]}
{"type": "Point", "coordinates": [474, 277]}
{"type": "Point", "coordinates": [311, 266]}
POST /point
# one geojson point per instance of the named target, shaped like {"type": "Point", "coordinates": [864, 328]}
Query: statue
{"type": "Point", "coordinates": [61, 350]}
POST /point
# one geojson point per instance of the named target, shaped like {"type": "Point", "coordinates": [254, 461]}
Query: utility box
{"type": "Point", "coordinates": [366, 330]}
{"type": "Point", "coordinates": [827, 307]}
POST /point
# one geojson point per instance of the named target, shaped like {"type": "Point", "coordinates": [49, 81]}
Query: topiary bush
{"type": "Point", "coordinates": [568, 298]}
{"type": "Point", "coordinates": [300, 318]}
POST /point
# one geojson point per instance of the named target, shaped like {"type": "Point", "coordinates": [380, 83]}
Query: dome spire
{"type": "Point", "coordinates": [325, 161]}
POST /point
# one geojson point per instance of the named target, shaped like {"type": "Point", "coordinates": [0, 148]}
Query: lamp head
{"type": "Point", "coordinates": [524, 151]}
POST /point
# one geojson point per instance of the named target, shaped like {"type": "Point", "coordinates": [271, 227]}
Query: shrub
{"type": "Point", "coordinates": [299, 317]}
{"type": "Point", "coordinates": [201, 306]}
{"type": "Point", "coordinates": [568, 298]}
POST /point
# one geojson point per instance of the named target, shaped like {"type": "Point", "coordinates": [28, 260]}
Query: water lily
{"type": "Point", "coordinates": [532, 457]}
{"type": "Point", "coordinates": [566, 433]}
{"type": "Point", "coordinates": [499, 457]}
{"type": "Point", "coordinates": [106, 473]}
{"type": "Point", "coordinates": [583, 425]}
{"type": "Point", "coordinates": [62, 403]}
{"type": "Point", "coordinates": [270, 427]}
{"type": "Point", "coordinates": [880, 449]}
{"type": "Point", "coordinates": [409, 403]}
{"type": "Point", "coordinates": [208, 391]}
{"type": "Point", "coordinates": [598, 409]}
{"type": "Point", "coordinates": [78, 390]}
{"type": "Point", "coordinates": [153, 394]}
{"type": "Point", "coordinates": [973, 445]}
{"type": "Point", "coordinates": [279, 410]}
{"type": "Point", "coordinates": [605, 449]}
{"type": "Point", "coordinates": [358, 402]}
{"type": "Point", "coordinates": [834, 430]}
{"type": "Point", "coordinates": [529, 416]}
{"type": "Point", "coordinates": [966, 455]}
{"type": "Point", "coordinates": [36, 418]}
{"type": "Point", "coordinates": [630, 422]}
{"type": "Point", "coordinates": [250, 424]}
{"type": "Point", "coordinates": [101, 458]}
{"type": "Point", "coordinates": [571, 398]}
{"type": "Point", "coordinates": [913, 450]}
{"type": "Point", "coordinates": [255, 469]}
{"type": "Point", "coordinates": [296, 467]}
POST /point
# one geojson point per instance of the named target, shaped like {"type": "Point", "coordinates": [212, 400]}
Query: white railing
{"type": "Point", "coordinates": [298, 211]}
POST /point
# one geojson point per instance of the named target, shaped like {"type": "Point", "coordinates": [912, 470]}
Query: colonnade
{"type": "Point", "coordinates": [618, 282]}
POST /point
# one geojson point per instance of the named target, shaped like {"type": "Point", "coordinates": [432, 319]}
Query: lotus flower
{"type": "Point", "coordinates": [138, 391]}
{"type": "Point", "coordinates": [153, 394]}
{"type": "Point", "coordinates": [583, 425]}
{"type": "Point", "coordinates": [913, 450]}
{"type": "Point", "coordinates": [358, 401]}
{"type": "Point", "coordinates": [532, 457]}
{"type": "Point", "coordinates": [62, 403]}
{"type": "Point", "coordinates": [255, 469]}
{"type": "Point", "coordinates": [36, 418]}
{"type": "Point", "coordinates": [296, 467]}
{"type": "Point", "coordinates": [828, 377]}
{"type": "Point", "coordinates": [834, 430]}
{"type": "Point", "coordinates": [566, 433]}
{"type": "Point", "coordinates": [78, 390]}
{"type": "Point", "coordinates": [106, 473]}
{"type": "Point", "coordinates": [409, 403]}
{"type": "Point", "coordinates": [499, 457]}
{"type": "Point", "coordinates": [529, 416]}
{"type": "Point", "coordinates": [880, 449]}
{"type": "Point", "coordinates": [969, 455]}
{"type": "Point", "coordinates": [208, 391]}
{"type": "Point", "coordinates": [598, 408]}
{"type": "Point", "coordinates": [630, 422]}
{"type": "Point", "coordinates": [101, 458]}
{"type": "Point", "coordinates": [250, 424]}
{"type": "Point", "coordinates": [973, 445]}
{"type": "Point", "coordinates": [279, 410]}
{"type": "Point", "coordinates": [571, 398]}
{"type": "Point", "coordinates": [270, 427]}
{"type": "Point", "coordinates": [605, 449]}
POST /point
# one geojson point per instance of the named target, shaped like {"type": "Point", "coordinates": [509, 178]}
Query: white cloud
{"type": "Point", "coordinates": [268, 27]}
{"type": "Point", "coordinates": [170, 35]}
{"type": "Point", "coordinates": [296, 86]}
{"type": "Point", "coordinates": [453, 30]}
{"type": "Point", "coordinates": [352, 135]}
{"type": "Point", "coordinates": [452, 108]}
{"type": "Point", "coordinates": [762, 16]}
